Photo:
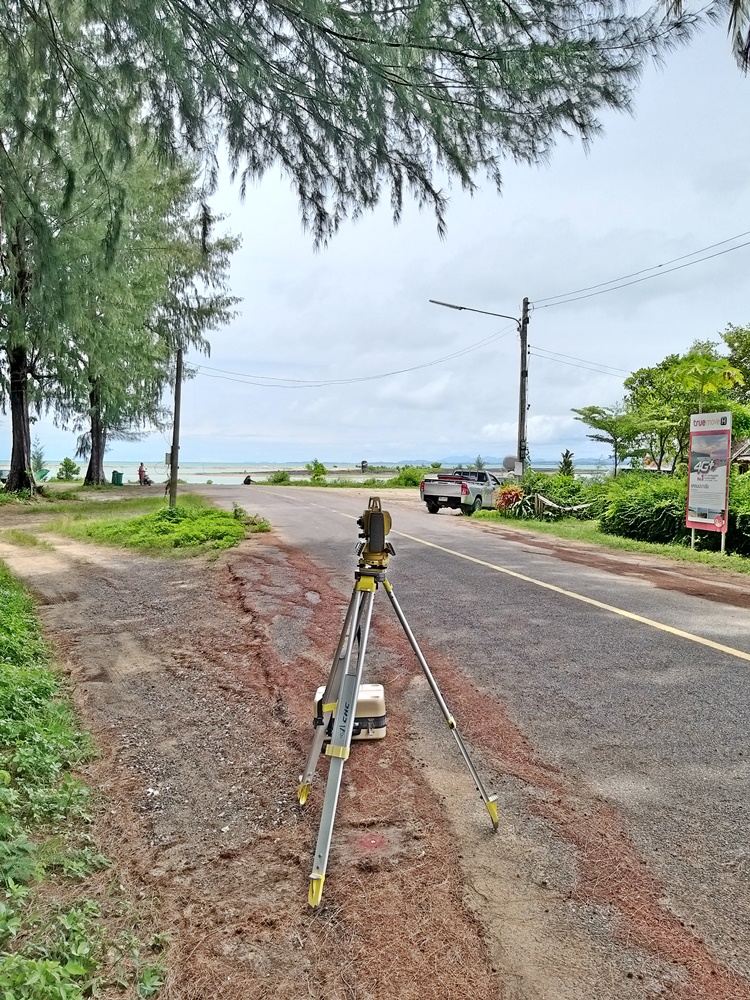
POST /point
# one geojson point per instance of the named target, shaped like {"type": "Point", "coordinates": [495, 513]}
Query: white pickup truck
{"type": "Point", "coordinates": [467, 489]}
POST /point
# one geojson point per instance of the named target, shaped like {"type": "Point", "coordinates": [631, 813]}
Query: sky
{"type": "Point", "coordinates": [665, 182]}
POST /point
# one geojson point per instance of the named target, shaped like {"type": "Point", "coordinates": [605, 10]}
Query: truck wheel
{"type": "Point", "coordinates": [433, 508]}
{"type": "Point", "coordinates": [477, 505]}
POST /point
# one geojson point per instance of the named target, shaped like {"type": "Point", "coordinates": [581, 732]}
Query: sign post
{"type": "Point", "coordinates": [708, 479]}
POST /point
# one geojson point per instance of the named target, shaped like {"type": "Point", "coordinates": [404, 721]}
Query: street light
{"type": "Point", "coordinates": [523, 327]}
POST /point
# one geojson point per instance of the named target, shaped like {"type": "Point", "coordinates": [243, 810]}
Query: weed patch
{"type": "Point", "coordinates": [190, 527]}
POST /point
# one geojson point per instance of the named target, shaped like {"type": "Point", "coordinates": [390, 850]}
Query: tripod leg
{"type": "Point", "coordinates": [341, 738]}
{"type": "Point", "coordinates": [333, 686]}
{"type": "Point", "coordinates": [490, 801]}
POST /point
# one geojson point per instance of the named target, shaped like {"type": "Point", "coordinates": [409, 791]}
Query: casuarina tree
{"type": "Point", "coordinates": [352, 101]}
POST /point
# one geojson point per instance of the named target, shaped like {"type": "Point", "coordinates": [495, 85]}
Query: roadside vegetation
{"type": "Point", "coordinates": [61, 936]}
{"type": "Point", "coordinates": [193, 526]}
{"type": "Point", "coordinates": [137, 521]}
{"type": "Point", "coordinates": [81, 499]}
{"type": "Point", "coordinates": [407, 477]}
{"type": "Point", "coordinates": [636, 511]}
{"type": "Point", "coordinates": [642, 506]}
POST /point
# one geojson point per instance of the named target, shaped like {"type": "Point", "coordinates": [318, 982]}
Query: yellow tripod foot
{"type": "Point", "coordinates": [492, 810]}
{"type": "Point", "coordinates": [302, 792]}
{"type": "Point", "coordinates": [315, 892]}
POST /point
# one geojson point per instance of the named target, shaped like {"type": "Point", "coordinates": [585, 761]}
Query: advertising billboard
{"type": "Point", "coordinates": [708, 479]}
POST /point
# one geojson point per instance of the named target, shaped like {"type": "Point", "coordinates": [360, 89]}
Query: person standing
{"type": "Point", "coordinates": [141, 473]}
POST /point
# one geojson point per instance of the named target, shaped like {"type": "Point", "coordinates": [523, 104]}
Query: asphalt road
{"type": "Point", "coordinates": [653, 721]}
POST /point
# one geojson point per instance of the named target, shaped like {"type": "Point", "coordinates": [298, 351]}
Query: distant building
{"type": "Point", "coordinates": [741, 454]}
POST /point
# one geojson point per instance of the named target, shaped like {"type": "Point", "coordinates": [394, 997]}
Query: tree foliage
{"type": "Point", "coordinates": [704, 374]}
{"type": "Point", "coordinates": [566, 467]}
{"type": "Point", "coordinates": [68, 470]}
{"type": "Point", "coordinates": [614, 426]}
{"type": "Point", "coordinates": [738, 26]}
{"type": "Point", "coordinates": [737, 340]}
{"type": "Point", "coordinates": [662, 397]}
{"type": "Point", "coordinates": [663, 404]}
{"type": "Point", "coordinates": [351, 101]}
{"type": "Point", "coordinates": [94, 339]}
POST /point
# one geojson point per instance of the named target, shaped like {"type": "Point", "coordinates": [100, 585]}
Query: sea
{"type": "Point", "coordinates": [224, 474]}
{"type": "Point", "coordinates": [234, 473]}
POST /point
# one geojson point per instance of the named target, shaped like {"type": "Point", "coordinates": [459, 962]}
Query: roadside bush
{"type": "Point", "coordinates": [316, 469]}
{"type": "Point", "coordinates": [410, 475]}
{"type": "Point", "coordinates": [738, 534]}
{"type": "Point", "coordinates": [649, 508]}
{"type": "Point", "coordinates": [280, 478]}
{"type": "Point", "coordinates": [181, 527]}
{"type": "Point", "coordinates": [507, 496]}
{"type": "Point", "coordinates": [567, 491]}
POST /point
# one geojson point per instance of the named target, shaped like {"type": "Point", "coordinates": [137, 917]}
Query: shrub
{"type": "Point", "coordinates": [738, 534]}
{"type": "Point", "coordinates": [649, 508]}
{"type": "Point", "coordinates": [316, 469]}
{"type": "Point", "coordinates": [280, 478]}
{"type": "Point", "coordinates": [174, 528]}
{"type": "Point", "coordinates": [68, 470]}
{"type": "Point", "coordinates": [567, 491]}
{"type": "Point", "coordinates": [507, 497]}
{"type": "Point", "coordinates": [410, 475]}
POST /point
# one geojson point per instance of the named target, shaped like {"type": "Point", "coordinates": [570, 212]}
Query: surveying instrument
{"type": "Point", "coordinates": [336, 709]}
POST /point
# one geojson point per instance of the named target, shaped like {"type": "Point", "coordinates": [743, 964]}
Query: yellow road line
{"type": "Point", "coordinates": [730, 650]}
{"type": "Point", "coordinates": [660, 626]}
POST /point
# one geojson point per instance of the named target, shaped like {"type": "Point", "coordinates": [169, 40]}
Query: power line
{"type": "Point", "coordinates": [624, 283]}
{"type": "Point", "coordinates": [572, 364]}
{"type": "Point", "coordinates": [273, 382]}
{"type": "Point", "coordinates": [598, 364]}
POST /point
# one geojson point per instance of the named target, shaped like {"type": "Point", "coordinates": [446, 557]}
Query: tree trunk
{"type": "Point", "coordinates": [95, 472]}
{"type": "Point", "coordinates": [20, 476]}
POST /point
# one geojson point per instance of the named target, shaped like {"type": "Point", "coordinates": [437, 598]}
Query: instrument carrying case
{"type": "Point", "coordinates": [369, 719]}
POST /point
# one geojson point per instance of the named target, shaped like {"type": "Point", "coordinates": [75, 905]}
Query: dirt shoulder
{"type": "Point", "coordinates": [197, 679]}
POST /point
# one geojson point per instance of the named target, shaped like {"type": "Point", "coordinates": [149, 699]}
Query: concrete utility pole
{"type": "Point", "coordinates": [174, 454]}
{"type": "Point", "coordinates": [523, 330]}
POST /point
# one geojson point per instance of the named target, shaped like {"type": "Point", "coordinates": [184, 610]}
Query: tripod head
{"type": "Point", "coordinates": [375, 524]}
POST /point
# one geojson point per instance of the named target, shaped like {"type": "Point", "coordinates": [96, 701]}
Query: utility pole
{"type": "Point", "coordinates": [174, 454]}
{"type": "Point", "coordinates": [523, 330]}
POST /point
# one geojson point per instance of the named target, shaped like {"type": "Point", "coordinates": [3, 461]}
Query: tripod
{"type": "Point", "coordinates": [337, 708]}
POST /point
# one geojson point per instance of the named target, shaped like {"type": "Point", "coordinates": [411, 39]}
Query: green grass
{"type": "Point", "coordinates": [55, 497]}
{"type": "Point", "coordinates": [81, 508]}
{"type": "Point", "coordinates": [588, 531]}
{"type": "Point", "coordinates": [50, 950]}
{"type": "Point", "coordinates": [190, 528]}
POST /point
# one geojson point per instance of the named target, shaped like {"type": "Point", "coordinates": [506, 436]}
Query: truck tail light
{"type": "Point", "coordinates": [464, 490]}
{"type": "Point", "coordinates": [421, 486]}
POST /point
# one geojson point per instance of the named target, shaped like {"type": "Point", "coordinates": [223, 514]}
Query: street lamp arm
{"type": "Point", "coordinates": [523, 326]}
{"type": "Point", "coordinates": [484, 312]}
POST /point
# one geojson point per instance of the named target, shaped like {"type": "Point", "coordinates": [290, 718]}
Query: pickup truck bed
{"type": "Point", "coordinates": [464, 489]}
